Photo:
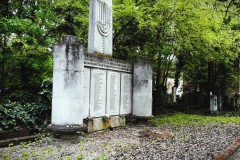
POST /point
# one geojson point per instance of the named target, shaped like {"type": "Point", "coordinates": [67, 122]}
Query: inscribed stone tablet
{"type": "Point", "coordinates": [113, 93]}
{"type": "Point", "coordinates": [126, 93]}
{"type": "Point", "coordinates": [86, 92]}
{"type": "Point", "coordinates": [98, 93]}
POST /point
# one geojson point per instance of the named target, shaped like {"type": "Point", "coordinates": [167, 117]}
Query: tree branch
{"type": "Point", "coordinates": [226, 12]}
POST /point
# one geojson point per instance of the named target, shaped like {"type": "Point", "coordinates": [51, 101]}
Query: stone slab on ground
{"type": "Point", "coordinates": [15, 141]}
{"type": "Point", "coordinates": [6, 134]}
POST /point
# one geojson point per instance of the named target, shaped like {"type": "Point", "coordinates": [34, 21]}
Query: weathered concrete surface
{"type": "Point", "coordinates": [86, 93]}
{"type": "Point", "coordinates": [100, 27]}
{"type": "Point", "coordinates": [68, 78]}
{"type": "Point", "coordinates": [67, 128]}
{"type": "Point", "coordinates": [142, 88]}
{"type": "Point", "coordinates": [97, 124]}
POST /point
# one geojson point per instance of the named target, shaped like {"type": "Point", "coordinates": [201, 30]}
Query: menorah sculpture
{"type": "Point", "coordinates": [104, 18]}
{"type": "Point", "coordinates": [100, 27]}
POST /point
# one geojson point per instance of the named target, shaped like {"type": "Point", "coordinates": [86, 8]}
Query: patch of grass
{"type": "Point", "coordinates": [80, 154]}
{"type": "Point", "coordinates": [102, 156]}
{"type": "Point", "coordinates": [5, 156]}
{"type": "Point", "coordinates": [25, 155]}
{"type": "Point", "coordinates": [181, 119]}
{"type": "Point", "coordinates": [109, 148]}
{"type": "Point", "coordinates": [126, 147]}
{"type": "Point", "coordinates": [68, 158]}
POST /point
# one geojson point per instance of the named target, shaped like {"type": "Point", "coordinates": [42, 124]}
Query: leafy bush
{"type": "Point", "coordinates": [22, 109]}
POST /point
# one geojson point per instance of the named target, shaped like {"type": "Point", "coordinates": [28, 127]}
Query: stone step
{"type": "Point", "coordinates": [7, 134]}
{"type": "Point", "coordinates": [16, 141]}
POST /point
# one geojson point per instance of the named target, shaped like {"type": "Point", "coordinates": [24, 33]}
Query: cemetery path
{"type": "Point", "coordinates": [133, 142]}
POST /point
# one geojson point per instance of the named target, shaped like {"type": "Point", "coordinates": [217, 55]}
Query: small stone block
{"type": "Point", "coordinates": [97, 124]}
{"type": "Point", "coordinates": [69, 39]}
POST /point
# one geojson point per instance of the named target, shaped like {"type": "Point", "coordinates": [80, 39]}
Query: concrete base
{"type": "Point", "coordinates": [97, 124]}
{"type": "Point", "coordinates": [67, 128]}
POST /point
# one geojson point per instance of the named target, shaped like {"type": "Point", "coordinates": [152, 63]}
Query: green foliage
{"type": "Point", "coordinates": [22, 109]}
{"type": "Point", "coordinates": [181, 119]}
{"type": "Point", "coordinates": [102, 156]}
{"type": "Point", "coordinates": [180, 36]}
{"type": "Point", "coordinates": [29, 115]}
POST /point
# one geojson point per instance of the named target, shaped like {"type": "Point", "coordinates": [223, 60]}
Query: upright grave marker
{"type": "Point", "coordinates": [100, 27]}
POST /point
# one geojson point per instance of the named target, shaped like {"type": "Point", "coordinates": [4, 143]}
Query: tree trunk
{"type": "Point", "coordinates": [4, 45]}
{"type": "Point", "coordinates": [158, 76]}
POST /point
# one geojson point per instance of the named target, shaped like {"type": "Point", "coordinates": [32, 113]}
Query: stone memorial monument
{"type": "Point", "coordinates": [92, 92]}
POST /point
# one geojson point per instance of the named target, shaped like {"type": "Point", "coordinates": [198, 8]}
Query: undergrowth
{"type": "Point", "coordinates": [181, 119]}
{"type": "Point", "coordinates": [23, 109]}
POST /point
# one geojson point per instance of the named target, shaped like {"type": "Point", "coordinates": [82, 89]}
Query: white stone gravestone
{"type": "Point", "coordinates": [100, 27]}
{"type": "Point", "coordinates": [213, 103]}
{"type": "Point", "coordinates": [174, 90]}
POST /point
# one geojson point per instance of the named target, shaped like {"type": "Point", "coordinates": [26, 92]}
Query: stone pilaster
{"type": "Point", "coordinates": [142, 88]}
{"type": "Point", "coordinates": [67, 99]}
